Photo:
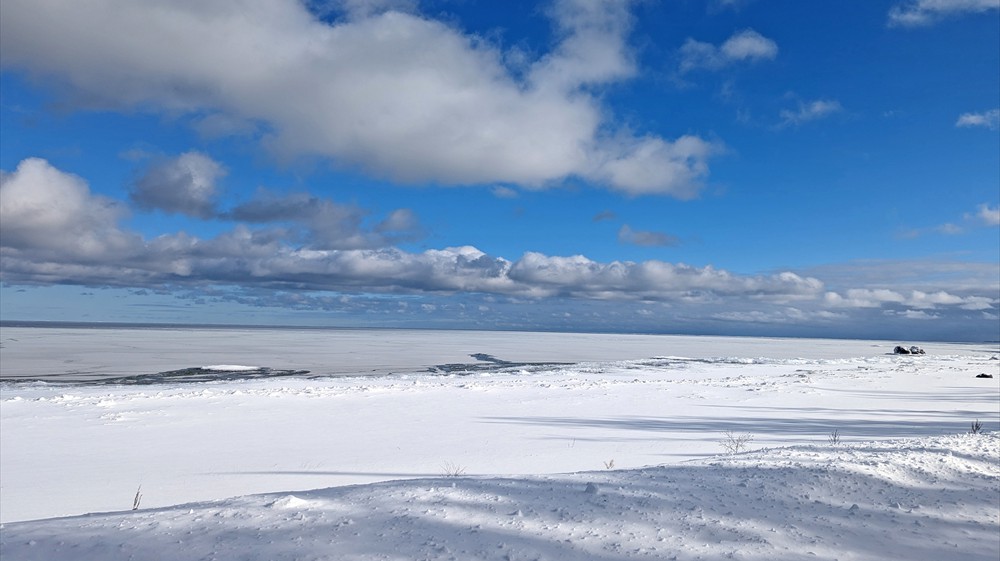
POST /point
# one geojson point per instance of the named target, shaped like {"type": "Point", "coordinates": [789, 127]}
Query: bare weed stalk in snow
{"type": "Point", "coordinates": [452, 470]}
{"type": "Point", "coordinates": [977, 427]}
{"type": "Point", "coordinates": [734, 443]}
{"type": "Point", "coordinates": [834, 437]}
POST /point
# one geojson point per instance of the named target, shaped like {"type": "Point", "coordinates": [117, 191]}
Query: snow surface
{"type": "Point", "coordinates": [509, 464]}
{"type": "Point", "coordinates": [229, 367]}
{"type": "Point", "coordinates": [933, 498]}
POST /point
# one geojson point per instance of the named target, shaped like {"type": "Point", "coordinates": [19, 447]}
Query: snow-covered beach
{"type": "Point", "coordinates": [477, 445]}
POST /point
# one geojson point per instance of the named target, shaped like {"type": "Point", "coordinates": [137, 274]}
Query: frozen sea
{"type": "Point", "coordinates": [372, 444]}
{"type": "Point", "coordinates": [140, 355]}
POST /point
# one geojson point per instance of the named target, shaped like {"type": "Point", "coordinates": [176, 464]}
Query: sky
{"type": "Point", "coordinates": [743, 167]}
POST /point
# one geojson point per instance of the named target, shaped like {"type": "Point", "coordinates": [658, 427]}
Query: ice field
{"type": "Point", "coordinates": [484, 445]}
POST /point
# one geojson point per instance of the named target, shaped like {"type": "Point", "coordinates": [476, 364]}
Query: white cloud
{"type": "Point", "coordinates": [359, 9]}
{"type": "Point", "coordinates": [924, 300]}
{"type": "Point", "coordinates": [46, 212]}
{"type": "Point", "coordinates": [394, 93]}
{"type": "Point", "coordinates": [987, 119]}
{"type": "Point", "coordinates": [916, 13]}
{"type": "Point", "coordinates": [44, 208]}
{"type": "Point", "coordinates": [863, 298]}
{"type": "Point", "coordinates": [54, 230]}
{"type": "Point", "coordinates": [913, 314]}
{"type": "Point", "coordinates": [955, 277]}
{"type": "Point", "coordinates": [949, 229]}
{"type": "Point", "coordinates": [655, 280]}
{"type": "Point", "coordinates": [592, 49]}
{"type": "Point", "coordinates": [399, 220]}
{"type": "Point", "coordinates": [807, 112]}
{"type": "Point", "coordinates": [946, 229]}
{"type": "Point", "coordinates": [989, 215]}
{"type": "Point", "coordinates": [185, 184]}
{"type": "Point", "coordinates": [504, 192]}
{"type": "Point", "coordinates": [747, 45]}
{"type": "Point", "coordinates": [720, 5]}
{"type": "Point", "coordinates": [978, 303]}
{"type": "Point", "coordinates": [917, 299]}
{"type": "Point", "coordinates": [985, 215]}
{"type": "Point", "coordinates": [652, 165]}
{"type": "Point", "coordinates": [788, 316]}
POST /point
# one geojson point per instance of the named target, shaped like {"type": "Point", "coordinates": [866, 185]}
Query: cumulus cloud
{"type": "Point", "coordinates": [744, 46]}
{"type": "Point", "coordinates": [388, 91]}
{"type": "Point", "coordinates": [749, 45]}
{"type": "Point", "coordinates": [918, 13]}
{"type": "Point", "coordinates": [987, 119]}
{"type": "Point", "coordinates": [184, 185]}
{"type": "Point", "coordinates": [627, 235]}
{"type": "Point", "coordinates": [46, 213]}
{"type": "Point", "coordinates": [651, 165]}
{"type": "Point", "coordinates": [592, 49]}
{"type": "Point", "coordinates": [808, 112]}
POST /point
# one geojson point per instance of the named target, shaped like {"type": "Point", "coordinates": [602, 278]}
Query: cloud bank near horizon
{"type": "Point", "coordinates": [55, 231]}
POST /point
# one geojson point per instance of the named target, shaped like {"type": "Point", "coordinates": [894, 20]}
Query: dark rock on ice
{"type": "Point", "coordinates": [914, 350]}
{"type": "Point", "coordinates": [984, 375]}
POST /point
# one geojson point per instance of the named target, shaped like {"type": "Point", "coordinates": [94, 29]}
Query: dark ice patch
{"type": "Point", "coordinates": [488, 364]}
{"type": "Point", "coordinates": [183, 376]}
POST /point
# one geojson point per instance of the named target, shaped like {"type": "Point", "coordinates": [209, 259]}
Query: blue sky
{"type": "Point", "coordinates": [718, 167]}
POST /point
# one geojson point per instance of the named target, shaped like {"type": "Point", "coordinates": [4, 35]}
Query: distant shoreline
{"type": "Point", "coordinates": [154, 325]}
{"type": "Point", "coordinates": [284, 327]}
